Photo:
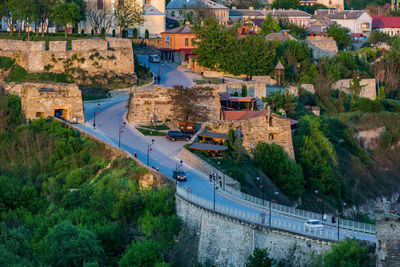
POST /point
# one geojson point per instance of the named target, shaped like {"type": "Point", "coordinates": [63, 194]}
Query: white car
{"type": "Point", "coordinates": [313, 225]}
{"type": "Point", "coordinates": [155, 58]}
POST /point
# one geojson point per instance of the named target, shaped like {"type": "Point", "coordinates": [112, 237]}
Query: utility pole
{"type": "Point", "coordinates": [94, 115]}
{"type": "Point", "coordinates": [119, 133]}
{"type": "Point", "coordinates": [149, 144]}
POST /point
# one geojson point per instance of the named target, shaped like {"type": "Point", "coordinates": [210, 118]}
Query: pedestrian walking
{"type": "Point", "coordinates": [158, 79]}
{"type": "Point", "coordinates": [325, 217]}
{"type": "Point", "coordinates": [209, 80]}
{"type": "Point", "coordinates": [135, 155]}
{"type": "Point", "coordinates": [210, 177]}
{"type": "Point", "coordinates": [158, 169]}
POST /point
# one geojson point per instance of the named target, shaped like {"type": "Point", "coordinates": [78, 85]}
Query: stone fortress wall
{"type": "Point", "coordinates": [92, 55]}
{"type": "Point", "coordinates": [368, 87]}
{"type": "Point", "coordinates": [229, 242]}
{"type": "Point", "coordinates": [255, 130]}
{"type": "Point", "coordinates": [387, 240]}
{"type": "Point", "coordinates": [145, 103]}
{"type": "Point", "coordinates": [43, 99]}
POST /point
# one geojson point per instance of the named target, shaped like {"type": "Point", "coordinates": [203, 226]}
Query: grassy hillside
{"type": "Point", "coordinates": [66, 200]}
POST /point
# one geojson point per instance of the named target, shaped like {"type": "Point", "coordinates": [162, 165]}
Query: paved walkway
{"type": "Point", "coordinates": [110, 117]}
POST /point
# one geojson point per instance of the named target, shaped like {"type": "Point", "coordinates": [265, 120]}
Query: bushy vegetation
{"type": "Point", "coordinates": [65, 200]}
{"type": "Point", "coordinates": [219, 48]}
{"type": "Point", "coordinates": [275, 163]}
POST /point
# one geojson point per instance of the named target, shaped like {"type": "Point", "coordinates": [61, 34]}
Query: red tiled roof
{"type": "Point", "coordinates": [356, 34]}
{"type": "Point", "coordinates": [385, 22]}
{"type": "Point", "coordinates": [235, 115]}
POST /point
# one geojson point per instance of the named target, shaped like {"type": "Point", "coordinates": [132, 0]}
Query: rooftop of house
{"type": "Point", "coordinates": [279, 36]}
{"type": "Point", "coordinates": [385, 22]}
{"type": "Point", "coordinates": [214, 135]}
{"type": "Point", "coordinates": [246, 13]}
{"type": "Point", "coordinates": [150, 10]}
{"type": "Point", "coordinates": [257, 22]}
{"type": "Point", "coordinates": [207, 147]}
{"type": "Point", "coordinates": [236, 115]}
{"type": "Point", "coordinates": [184, 29]}
{"type": "Point", "coordinates": [322, 14]}
{"type": "Point", "coordinates": [288, 13]}
{"type": "Point", "coordinates": [183, 4]}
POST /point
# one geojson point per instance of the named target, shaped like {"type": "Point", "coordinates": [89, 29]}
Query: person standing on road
{"type": "Point", "coordinates": [211, 177]}
{"type": "Point", "coordinates": [158, 79]}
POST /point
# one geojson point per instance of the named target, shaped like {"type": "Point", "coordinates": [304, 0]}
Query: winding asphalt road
{"type": "Point", "coordinates": [110, 116]}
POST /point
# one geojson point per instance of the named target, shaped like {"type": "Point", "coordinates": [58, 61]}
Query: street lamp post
{"type": "Point", "coordinates": [338, 222]}
{"type": "Point", "coordinates": [261, 186]}
{"type": "Point", "coordinates": [176, 171]}
{"type": "Point", "coordinates": [149, 144]}
{"type": "Point", "coordinates": [322, 204]}
{"type": "Point", "coordinates": [94, 115]}
{"type": "Point", "coordinates": [270, 207]}
{"type": "Point", "coordinates": [214, 192]}
{"type": "Point", "coordinates": [119, 133]}
{"type": "Point", "coordinates": [223, 176]}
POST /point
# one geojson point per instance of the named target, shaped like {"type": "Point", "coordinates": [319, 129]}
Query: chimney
{"type": "Point", "coordinates": [285, 33]}
{"type": "Point", "coordinates": [251, 8]}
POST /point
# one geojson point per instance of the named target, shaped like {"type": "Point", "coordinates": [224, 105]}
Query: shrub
{"type": "Point", "coordinates": [134, 33]}
{"type": "Point", "coordinates": [368, 105]}
{"type": "Point", "coordinates": [6, 63]}
{"type": "Point", "coordinates": [82, 32]}
{"type": "Point", "coordinates": [244, 90]}
{"type": "Point", "coordinates": [113, 33]}
{"type": "Point", "coordinates": [92, 32]}
{"type": "Point", "coordinates": [346, 253]}
{"type": "Point", "coordinates": [391, 105]}
{"type": "Point", "coordinates": [103, 32]}
{"type": "Point", "coordinates": [275, 163]}
{"type": "Point", "coordinates": [386, 139]}
{"type": "Point", "coordinates": [17, 74]}
{"type": "Point", "coordinates": [146, 34]}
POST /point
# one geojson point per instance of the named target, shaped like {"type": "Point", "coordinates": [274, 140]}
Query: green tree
{"type": "Point", "coordinates": [275, 163]}
{"type": "Point", "coordinates": [315, 154]}
{"type": "Point", "coordinates": [128, 14]}
{"type": "Point", "coordinates": [244, 90]}
{"type": "Point", "coordinates": [213, 41]}
{"type": "Point", "coordinates": [269, 25]}
{"type": "Point", "coordinates": [376, 37]}
{"type": "Point", "coordinates": [285, 4]}
{"type": "Point", "coordinates": [66, 14]}
{"type": "Point", "coordinates": [141, 254]}
{"type": "Point", "coordinates": [346, 253]}
{"type": "Point", "coordinates": [260, 258]}
{"type": "Point", "coordinates": [276, 100]}
{"type": "Point", "coordinates": [340, 35]}
{"type": "Point", "coordinates": [69, 245]}
{"type": "Point", "coordinates": [231, 138]}
{"type": "Point", "coordinates": [10, 112]}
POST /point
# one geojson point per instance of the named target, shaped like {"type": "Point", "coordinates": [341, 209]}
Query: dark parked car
{"type": "Point", "coordinates": [180, 175]}
{"type": "Point", "coordinates": [175, 135]}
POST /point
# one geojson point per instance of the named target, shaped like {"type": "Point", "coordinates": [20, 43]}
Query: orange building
{"type": "Point", "coordinates": [177, 44]}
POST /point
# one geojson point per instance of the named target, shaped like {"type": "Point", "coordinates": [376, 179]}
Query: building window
{"type": "Point", "coordinates": [167, 40]}
{"type": "Point", "coordinates": [272, 136]}
{"type": "Point", "coordinates": [100, 4]}
{"type": "Point", "coordinates": [186, 41]}
{"type": "Point", "coordinates": [173, 14]}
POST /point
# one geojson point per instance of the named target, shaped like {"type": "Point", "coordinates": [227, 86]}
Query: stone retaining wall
{"type": "Point", "coordinates": [42, 99]}
{"type": "Point", "coordinates": [368, 87]}
{"type": "Point", "coordinates": [229, 242]}
{"type": "Point", "coordinates": [93, 55]}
